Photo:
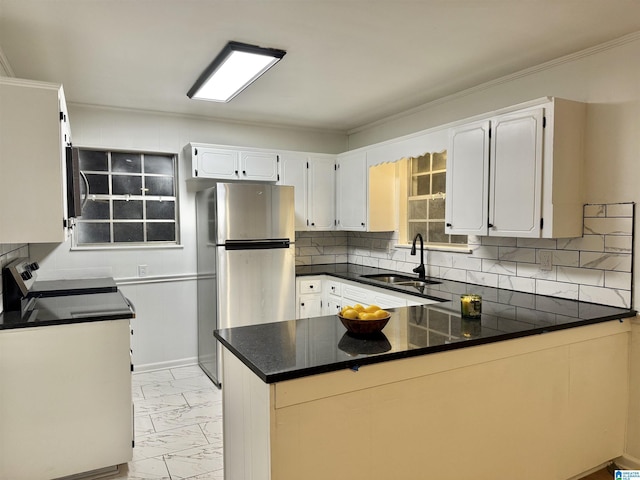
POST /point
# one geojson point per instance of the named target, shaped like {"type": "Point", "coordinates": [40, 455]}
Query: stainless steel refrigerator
{"type": "Point", "coordinates": [246, 261]}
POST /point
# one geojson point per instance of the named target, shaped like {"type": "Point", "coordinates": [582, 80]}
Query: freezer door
{"type": "Point", "coordinates": [248, 211]}
{"type": "Point", "coordinates": [255, 286]}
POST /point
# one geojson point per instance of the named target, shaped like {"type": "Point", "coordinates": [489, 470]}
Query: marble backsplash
{"type": "Point", "coordinates": [596, 267]}
{"type": "Point", "coordinates": [9, 252]}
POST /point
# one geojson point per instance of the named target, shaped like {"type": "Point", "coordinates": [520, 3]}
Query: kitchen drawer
{"type": "Point", "coordinates": [310, 286]}
{"type": "Point", "coordinates": [333, 288]}
{"type": "Point", "coordinates": [357, 294]}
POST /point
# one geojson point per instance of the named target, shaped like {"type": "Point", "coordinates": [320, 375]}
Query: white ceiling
{"type": "Point", "coordinates": [348, 62]}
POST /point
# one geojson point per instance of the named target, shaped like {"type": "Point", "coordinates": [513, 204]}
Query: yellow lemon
{"type": "Point", "coordinates": [367, 316]}
{"type": "Point", "coordinates": [344, 309]}
{"type": "Point", "coordinates": [358, 308]}
{"type": "Point", "coordinates": [371, 309]}
{"type": "Point", "coordinates": [380, 314]}
{"type": "Point", "coordinates": [350, 314]}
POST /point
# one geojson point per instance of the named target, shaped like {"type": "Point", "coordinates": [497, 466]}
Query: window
{"type": "Point", "coordinates": [131, 199]}
{"type": "Point", "coordinates": [426, 195]}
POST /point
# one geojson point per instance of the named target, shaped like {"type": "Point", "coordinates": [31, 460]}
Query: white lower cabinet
{"type": "Point", "coordinates": [65, 399]}
{"type": "Point", "coordinates": [325, 295]}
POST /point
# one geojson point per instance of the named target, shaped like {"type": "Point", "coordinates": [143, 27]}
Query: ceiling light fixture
{"type": "Point", "coordinates": [236, 67]}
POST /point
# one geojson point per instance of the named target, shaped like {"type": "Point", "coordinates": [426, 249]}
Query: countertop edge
{"type": "Point", "coordinates": [356, 363]}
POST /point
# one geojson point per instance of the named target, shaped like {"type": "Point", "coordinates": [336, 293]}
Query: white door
{"type": "Point", "coordinates": [216, 163]}
{"type": "Point", "coordinates": [516, 174]}
{"type": "Point", "coordinates": [322, 189]}
{"type": "Point", "coordinates": [467, 201]}
{"type": "Point", "coordinates": [351, 184]}
{"type": "Point", "coordinates": [262, 166]}
{"type": "Point", "coordinates": [294, 173]}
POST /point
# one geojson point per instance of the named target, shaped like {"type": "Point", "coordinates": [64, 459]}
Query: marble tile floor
{"type": "Point", "coordinates": [178, 427]}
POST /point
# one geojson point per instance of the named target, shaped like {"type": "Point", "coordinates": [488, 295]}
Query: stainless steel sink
{"type": "Point", "coordinates": [403, 280]}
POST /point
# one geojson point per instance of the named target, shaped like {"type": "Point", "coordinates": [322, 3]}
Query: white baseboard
{"type": "Point", "coordinates": [149, 367]}
{"type": "Point", "coordinates": [628, 462]}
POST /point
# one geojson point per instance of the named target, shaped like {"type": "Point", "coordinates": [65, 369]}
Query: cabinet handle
{"type": "Point", "coordinates": [244, 172]}
{"type": "Point", "coordinates": [236, 172]}
{"type": "Point", "coordinates": [313, 224]}
{"type": "Point", "coordinates": [448, 225]}
{"type": "Point", "coordinates": [310, 287]}
{"type": "Point", "coordinates": [302, 304]}
{"type": "Point", "coordinates": [362, 224]}
{"type": "Point", "coordinates": [491, 225]}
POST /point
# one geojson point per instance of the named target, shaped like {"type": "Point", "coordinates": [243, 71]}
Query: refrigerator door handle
{"type": "Point", "coordinates": [256, 244]}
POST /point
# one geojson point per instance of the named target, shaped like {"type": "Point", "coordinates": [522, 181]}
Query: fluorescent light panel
{"type": "Point", "coordinates": [236, 67]}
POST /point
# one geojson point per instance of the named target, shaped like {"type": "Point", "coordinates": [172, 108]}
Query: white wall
{"type": "Point", "coordinates": [606, 77]}
{"type": "Point", "coordinates": [165, 327]}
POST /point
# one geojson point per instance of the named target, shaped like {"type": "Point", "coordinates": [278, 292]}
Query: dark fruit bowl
{"type": "Point", "coordinates": [364, 327]}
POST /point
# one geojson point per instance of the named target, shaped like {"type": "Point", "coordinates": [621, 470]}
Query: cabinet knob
{"type": "Point", "coordinates": [313, 224]}
{"type": "Point", "coordinates": [362, 224]}
{"type": "Point", "coordinates": [236, 172]}
{"type": "Point", "coordinates": [302, 304]}
{"type": "Point", "coordinates": [448, 225]}
{"type": "Point", "coordinates": [310, 286]}
{"type": "Point", "coordinates": [491, 225]}
{"type": "Point", "coordinates": [244, 172]}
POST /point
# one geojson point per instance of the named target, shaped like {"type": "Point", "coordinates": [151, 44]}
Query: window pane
{"type": "Point", "coordinates": [436, 233]}
{"type": "Point", "coordinates": [89, 232]}
{"type": "Point", "coordinates": [415, 228]}
{"type": "Point", "coordinates": [127, 209]}
{"type": "Point", "coordinates": [128, 232]}
{"type": "Point", "coordinates": [421, 185]}
{"type": "Point", "coordinates": [436, 209]}
{"type": "Point", "coordinates": [127, 184]}
{"type": "Point", "coordinates": [439, 183]}
{"type": "Point", "coordinates": [421, 164]}
{"type": "Point", "coordinates": [98, 184]}
{"type": "Point", "coordinates": [126, 162]}
{"type": "Point", "coordinates": [161, 210]}
{"type": "Point", "coordinates": [161, 232]}
{"type": "Point", "coordinates": [418, 209]}
{"type": "Point", "coordinates": [93, 160]}
{"type": "Point", "coordinates": [158, 164]}
{"type": "Point", "coordinates": [96, 210]}
{"type": "Point", "coordinates": [440, 161]}
{"type": "Point", "coordinates": [161, 186]}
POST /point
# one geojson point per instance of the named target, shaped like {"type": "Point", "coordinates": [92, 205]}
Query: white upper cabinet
{"type": "Point", "coordinates": [259, 166]}
{"type": "Point", "coordinates": [467, 179]}
{"type": "Point", "coordinates": [294, 172]}
{"type": "Point", "coordinates": [226, 163]}
{"type": "Point", "coordinates": [351, 190]}
{"type": "Point", "coordinates": [34, 133]}
{"type": "Point", "coordinates": [322, 192]}
{"type": "Point", "coordinates": [365, 197]}
{"type": "Point", "coordinates": [517, 174]}
{"type": "Point", "coordinates": [313, 179]}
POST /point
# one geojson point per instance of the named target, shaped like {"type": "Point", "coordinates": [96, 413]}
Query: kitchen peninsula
{"type": "Point", "coordinates": [538, 386]}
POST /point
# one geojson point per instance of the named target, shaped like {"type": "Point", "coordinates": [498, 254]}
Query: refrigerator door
{"type": "Point", "coordinates": [255, 286]}
{"type": "Point", "coordinates": [248, 211]}
{"type": "Point", "coordinates": [206, 284]}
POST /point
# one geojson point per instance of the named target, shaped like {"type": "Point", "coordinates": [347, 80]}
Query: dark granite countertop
{"type": "Point", "coordinates": [298, 348]}
{"type": "Point", "coordinates": [69, 309]}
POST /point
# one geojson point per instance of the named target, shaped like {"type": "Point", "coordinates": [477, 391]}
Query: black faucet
{"type": "Point", "coordinates": [420, 268]}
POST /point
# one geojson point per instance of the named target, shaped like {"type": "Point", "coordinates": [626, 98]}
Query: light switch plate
{"type": "Point", "coordinates": [142, 270]}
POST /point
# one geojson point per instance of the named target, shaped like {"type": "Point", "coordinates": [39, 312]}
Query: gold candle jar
{"type": "Point", "coordinates": [471, 306]}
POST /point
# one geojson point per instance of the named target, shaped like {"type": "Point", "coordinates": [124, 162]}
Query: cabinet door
{"type": "Point", "coordinates": [467, 201]}
{"type": "Point", "coordinates": [294, 173]}
{"type": "Point", "coordinates": [262, 166]}
{"type": "Point", "coordinates": [31, 156]}
{"type": "Point", "coordinates": [332, 307]}
{"type": "Point", "coordinates": [310, 306]}
{"type": "Point", "coordinates": [351, 191]}
{"type": "Point", "coordinates": [516, 174]}
{"type": "Point", "coordinates": [215, 163]}
{"type": "Point", "coordinates": [322, 189]}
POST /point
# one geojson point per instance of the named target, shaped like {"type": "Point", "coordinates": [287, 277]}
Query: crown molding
{"type": "Point", "coordinates": [572, 57]}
